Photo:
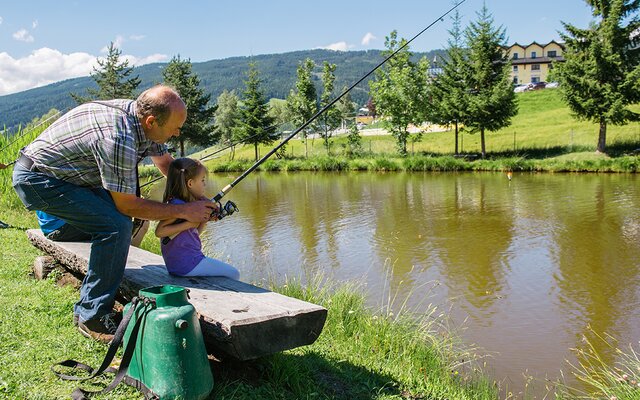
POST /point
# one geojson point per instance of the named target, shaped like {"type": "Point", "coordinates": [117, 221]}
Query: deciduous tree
{"type": "Point", "coordinates": [330, 119]}
{"type": "Point", "coordinates": [302, 101]}
{"type": "Point", "coordinates": [400, 91]}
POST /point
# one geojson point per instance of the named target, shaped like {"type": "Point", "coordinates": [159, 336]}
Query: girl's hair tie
{"type": "Point", "coordinates": [181, 169]}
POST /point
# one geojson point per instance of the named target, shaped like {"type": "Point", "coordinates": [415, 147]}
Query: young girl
{"type": "Point", "coordinates": [180, 245]}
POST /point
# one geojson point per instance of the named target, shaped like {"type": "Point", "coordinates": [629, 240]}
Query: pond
{"type": "Point", "coordinates": [528, 266]}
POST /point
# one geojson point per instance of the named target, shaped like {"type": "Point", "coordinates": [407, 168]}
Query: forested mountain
{"type": "Point", "coordinates": [278, 72]}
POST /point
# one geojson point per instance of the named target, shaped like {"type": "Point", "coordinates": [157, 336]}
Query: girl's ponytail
{"type": "Point", "coordinates": [179, 173]}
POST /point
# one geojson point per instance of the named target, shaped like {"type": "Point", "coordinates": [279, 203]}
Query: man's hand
{"type": "Point", "coordinates": [198, 211]}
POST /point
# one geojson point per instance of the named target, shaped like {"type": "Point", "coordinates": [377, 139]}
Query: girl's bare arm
{"type": "Point", "coordinates": [169, 227]}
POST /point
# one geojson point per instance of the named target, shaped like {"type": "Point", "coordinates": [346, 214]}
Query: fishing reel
{"type": "Point", "coordinates": [228, 209]}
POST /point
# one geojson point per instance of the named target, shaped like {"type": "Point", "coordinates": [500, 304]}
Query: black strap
{"type": "Point", "coordinates": [81, 394]}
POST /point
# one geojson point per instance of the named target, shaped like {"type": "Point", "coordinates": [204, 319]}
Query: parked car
{"type": "Point", "coordinates": [552, 85]}
{"type": "Point", "coordinates": [520, 88]}
{"type": "Point", "coordinates": [537, 85]}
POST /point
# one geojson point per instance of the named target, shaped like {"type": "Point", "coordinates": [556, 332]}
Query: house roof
{"type": "Point", "coordinates": [536, 43]}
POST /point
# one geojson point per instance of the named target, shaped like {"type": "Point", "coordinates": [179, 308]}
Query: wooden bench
{"type": "Point", "coordinates": [241, 320]}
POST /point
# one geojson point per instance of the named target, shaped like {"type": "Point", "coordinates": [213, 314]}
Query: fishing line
{"type": "Point", "coordinates": [214, 153]}
{"type": "Point", "coordinates": [230, 186]}
{"type": "Point", "coordinates": [29, 131]}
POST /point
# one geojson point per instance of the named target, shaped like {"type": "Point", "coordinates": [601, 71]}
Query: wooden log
{"type": "Point", "coordinates": [239, 319]}
{"type": "Point", "coordinates": [42, 267]}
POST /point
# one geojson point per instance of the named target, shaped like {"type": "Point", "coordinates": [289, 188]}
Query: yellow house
{"type": "Point", "coordinates": [532, 63]}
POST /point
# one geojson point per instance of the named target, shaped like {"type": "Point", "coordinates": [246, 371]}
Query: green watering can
{"type": "Point", "coordinates": [169, 356]}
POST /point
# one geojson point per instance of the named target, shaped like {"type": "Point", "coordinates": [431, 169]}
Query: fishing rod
{"type": "Point", "coordinates": [230, 186]}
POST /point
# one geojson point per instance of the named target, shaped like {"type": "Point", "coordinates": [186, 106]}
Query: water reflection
{"type": "Point", "coordinates": [530, 263]}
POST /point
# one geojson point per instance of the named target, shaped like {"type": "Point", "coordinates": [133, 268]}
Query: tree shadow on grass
{"type": "Point", "coordinates": [292, 376]}
{"type": "Point", "coordinates": [617, 149]}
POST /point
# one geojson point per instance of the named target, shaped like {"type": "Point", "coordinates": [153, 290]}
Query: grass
{"type": "Point", "coordinates": [601, 380]}
{"type": "Point", "coordinates": [9, 150]}
{"type": "Point", "coordinates": [361, 354]}
{"type": "Point", "coordinates": [543, 137]}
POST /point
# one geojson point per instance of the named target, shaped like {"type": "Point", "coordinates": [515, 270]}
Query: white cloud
{"type": "Point", "coordinates": [45, 66]}
{"type": "Point", "coordinates": [117, 43]}
{"type": "Point", "coordinates": [339, 46]}
{"type": "Point", "coordinates": [1, 19]}
{"type": "Point", "coordinates": [34, 24]}
{"type": "Point", "coordinates": [366, 39]}
{"type": "Point", "coordinates": [137, 37]}
{"type": "Point", "coordinates": [23, 36]}
{"type": "Point", "coordinates": [153, 58]}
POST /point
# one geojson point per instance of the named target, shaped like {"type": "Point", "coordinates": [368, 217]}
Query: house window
{"type": "Point", "coordinates": [552, 54]}
{"type": "Point", "coordinates": [515, 80]}
{"type": "Point", "coordinates": [535, 67]}
{"type": "Point", "coordinates": [515, 56]}
{"type": "Point", "coordinates": [515, 68]}
{"type": "Point", "coordinates": [534, 54]}
{"type": "Point", "coordinates": [535, 79]}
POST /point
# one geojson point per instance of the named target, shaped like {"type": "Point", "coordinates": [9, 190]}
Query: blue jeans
{"type": "Point", "coordinates": [91, 211]}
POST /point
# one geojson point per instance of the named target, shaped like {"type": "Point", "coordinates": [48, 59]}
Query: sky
{"type": "Point", "coordinates": [45, 41]}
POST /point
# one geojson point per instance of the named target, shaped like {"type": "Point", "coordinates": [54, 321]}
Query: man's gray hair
{"type": "Point", "coordinates": [158, 101]}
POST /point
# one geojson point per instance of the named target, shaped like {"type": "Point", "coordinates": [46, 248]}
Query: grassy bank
{"type": "Point", "coordinates": [576, 162]}
{"type": "Point", "coordinates": [361, 354]}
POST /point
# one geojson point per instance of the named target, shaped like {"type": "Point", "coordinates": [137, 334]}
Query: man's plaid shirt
{"type": "Point", "coordinates": [95, 145]}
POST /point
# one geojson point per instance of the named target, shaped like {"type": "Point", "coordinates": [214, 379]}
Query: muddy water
{"type": "Point", "coordinates": [530, 265]}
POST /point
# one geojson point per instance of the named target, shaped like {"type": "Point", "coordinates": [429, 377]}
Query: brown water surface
{"type": "Point", "coordinates": [533, 264]}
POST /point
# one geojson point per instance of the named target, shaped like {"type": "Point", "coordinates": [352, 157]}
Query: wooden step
{"type": "Point", "coordinates": [239, 319]}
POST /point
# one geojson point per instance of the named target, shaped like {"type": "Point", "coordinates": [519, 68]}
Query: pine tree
{"type": "Point", "coordinates": [198, 129]}
{"type": "Point", "coordinates": [491, 101]}
{"type": "Point", "coordinates": [400, 91]}
{"type": "Point", "coordinates": [601, 76]}
{"type": "Point", "coordinates": [112, 78]}
{"type": "Point", "coordinates": [449, 91]}
{"type": "Point", "coordinates": [257, 125]}
{"type": "Point", "coordinates": [302, 102]}
{"type": "Point", "coordinates": [330, 119]}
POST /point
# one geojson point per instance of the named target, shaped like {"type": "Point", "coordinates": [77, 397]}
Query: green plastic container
{"type": "Point", "coordinates": [169, 357]}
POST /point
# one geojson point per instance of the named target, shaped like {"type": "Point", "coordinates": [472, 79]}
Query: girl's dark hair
{"type": "Point", "coordinates": [180, 171]}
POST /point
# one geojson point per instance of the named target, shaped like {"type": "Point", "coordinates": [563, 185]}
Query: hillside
{"type": "Point", "coordinates": [278, 74]}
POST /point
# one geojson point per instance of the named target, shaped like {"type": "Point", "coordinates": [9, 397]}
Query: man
{"type": "Point", "coordinates": [83, 170]}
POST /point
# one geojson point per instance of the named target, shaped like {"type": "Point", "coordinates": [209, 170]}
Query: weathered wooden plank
{"type": "Point", "coordinates": [242, 320]}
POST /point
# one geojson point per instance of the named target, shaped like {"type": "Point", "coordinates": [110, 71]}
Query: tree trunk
{"type": "Point", "coordinates": [484, 152]}
{"type": "Point", "coordinates": [255, 147]}
{"type": "Point", "coordinates": [602, 137]}
{"type": "Point", "coordinates": [181, 147]}
{"type": "Point", "coordinates": [306, 147]}
{"type": "Point", "coordinates": [456, 137]}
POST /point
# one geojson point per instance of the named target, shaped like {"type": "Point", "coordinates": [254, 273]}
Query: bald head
{"type": "Point", "coordinates": [159, 101]}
